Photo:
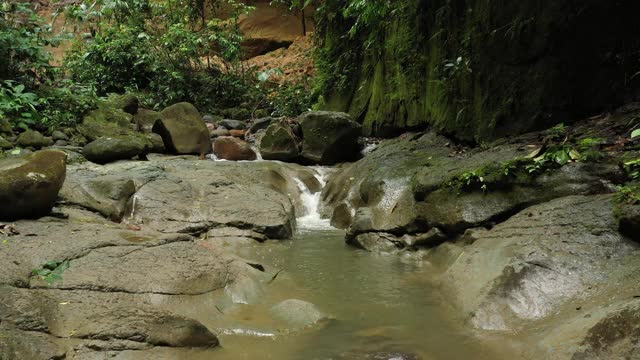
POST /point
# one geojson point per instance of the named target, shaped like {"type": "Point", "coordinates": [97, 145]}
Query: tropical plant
{"type": "Point", "coordinates": [51, 271]}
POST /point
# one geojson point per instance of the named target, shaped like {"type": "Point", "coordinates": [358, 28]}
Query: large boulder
{"type": "Point", "coordinates": [33, 139]}
{"type": "Point", "coordinates": [232, 148]}
{"type": "Point", "coordinates": [329, 137]}
{"type": "Point", "coordinates": [105, 122]}
{"type": "Point", "coordinates": [29, 185]}
{"type": "Point", "coordinates": [279, 143]}
{"type": "Point", "coordinates": [183, 130]}
{"type": "Point", "coordinates": [108, 149]}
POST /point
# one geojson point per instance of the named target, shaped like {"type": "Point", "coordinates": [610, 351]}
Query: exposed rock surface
{"type": "Point", "coordinates": [329, 137]}
{"type": "Point", "coordinates": [33, 139]}
{"type": "Point", "coordinates": [109, 149]}
{"type": "Point", "coordinates": [183, 130]}
{"type": "Point", "coordinates": [29, 184]}
{"type": "Point", "coordinates": [279, 143]}
{"type": "Point", "coordinates": [232, 148]}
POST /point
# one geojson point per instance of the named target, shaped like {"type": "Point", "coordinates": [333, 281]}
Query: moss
{"type": "Point", "coordinates": [530, 66]}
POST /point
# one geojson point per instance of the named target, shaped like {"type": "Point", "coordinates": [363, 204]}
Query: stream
{"type": "Point", "coordinates": [381, 307]}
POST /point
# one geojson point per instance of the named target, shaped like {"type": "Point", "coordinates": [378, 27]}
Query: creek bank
{"type": "Point", "coordinates": [521, 252]}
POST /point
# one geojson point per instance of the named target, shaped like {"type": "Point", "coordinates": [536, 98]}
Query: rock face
{"type": "Point", "coordinates": [109, 149]}
{"type": "Point", "coordinates": [232, 148]}
{"type": "Point", "coordinates": [33, 139]}
{"type": "Point", "coordinates": [329, 137]}
{"type": "Point", "coordinates": [500, 89]}
{"type": "Point", "coordinates": [29, 185]}
{"type": "Point", "coordinates": [183, 130]}
{"type": "Point", "coordinates": [279, 143]}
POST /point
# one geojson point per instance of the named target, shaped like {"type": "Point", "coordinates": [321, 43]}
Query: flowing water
{"type": "Point", "coordinates": [377, 304]}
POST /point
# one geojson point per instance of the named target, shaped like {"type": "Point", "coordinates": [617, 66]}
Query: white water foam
{"type": "Point", "coordinates": [312, 220]}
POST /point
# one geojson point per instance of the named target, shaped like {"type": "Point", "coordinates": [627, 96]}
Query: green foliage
{"type": "Point", "coordinates": [632, 167]}
{"type": "Point", "coordinates": [629, 194]}
{"type": "Point", "coordinates": [469, 181]}
{"type": "Point", "coordinates": [51, 271]}
{"type": "Point", "coordinates": [165, 49]}
{"type": "Point", "coordinates": [19, 105]}
{"type": "Point", "coordinates": [635, 133]}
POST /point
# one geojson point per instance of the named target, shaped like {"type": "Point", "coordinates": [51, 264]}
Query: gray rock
{"type": "Point", "coordinates": [59, 135]}
{"type": "Point", "coordinates": [377, 242]}
{"type": "Point", "coordinates": [145, 119]}
{"type": "Point", "coordinates": [219, 132]}
{"type": "Point", "coordinates": [329, 137]}
{"type": "Point", "coordinates": [29, 184]}
{"type": "Point", "coordinates": [279, 143]}
{"type": "Point", "coordinates": [109, 149]}
{"type": "Point", "coordinates": [260, 124]}
{"type": "Point", "coordinates": [183, 130]}
{"type": "Point", "coordinates": [232, 124]}
{"type": "Point", "coordinates": [60, 143]}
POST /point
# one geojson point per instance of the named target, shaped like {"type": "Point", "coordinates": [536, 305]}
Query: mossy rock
{"type": "Point", "coordinates": [183, 130]}
{"type": "Point", "coordinates": [279, 143]}
{"type": "Point", "coordinates": [33, 139]}
{"type": "Point", "coordinates": [5, 144]}
{"type": "Point", "coordinates": [109, 149]}
{"type": "Point", "coordinates": [145, 119]}
{"type": "Point", "coordinates": [236, 113]}
{"type": "Point", "coordinates": [105, 122]}
{"type": "Point", "coordinates": [128, 103]}
{"type": "Point", "coordinates": [5, 127]}
{"type": "Point", "coordinates": [329, 137]}
{"type": "Point", "coordinates": [29, 184]}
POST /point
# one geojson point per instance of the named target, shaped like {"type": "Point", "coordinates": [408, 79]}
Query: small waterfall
{"type": "Point", "coordinates": [312, 220]}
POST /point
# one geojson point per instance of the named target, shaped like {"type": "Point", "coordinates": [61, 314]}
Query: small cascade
{"type": "Point", "coordinates": [312, 220]}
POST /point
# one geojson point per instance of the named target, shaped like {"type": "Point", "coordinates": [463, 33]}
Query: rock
{"type": "Point", "coordinates": [59, 135]}
{"type": "Point", "coordinates": [279, 143]}
{"type": "Point", "coordinates": [29, 184]}
{"type": "Point", "coordinates": [208, 118]}
{"type": "Point", "coordinates": [298, 314]}
{"type": "Point", "coordinates": [528, 267]}
{"type": "Point", "coordinates": [237, 133]}
{"type": "Point", "coordinates": [33, 139]}
{"type": "Point", "coordinates": [183, 130]}
{"type": "Point", "coordinates": [145, 119]}
{"type": "Point", "coordinates": [432, 238]}
{"type": "Point", "coordinates": [260, 124]}
{"type": "Point", "coordinates": [5, 144]}
{"type": "Point", "coordinates": [5, 127]}
{"type": "Point", "coordinates": [329, 137]}
{"type": "Point", "coordinates": [236, 113]}
{"type": "Point", "coordinates": [377, 242]}
{"type": "Point", "coordinates": [60, 143]}
{"type": "Point", "coordinates": [232, 124]}
{"type": "Point", "coordinates": [127, 103]}
{"type": "Point", "coordinates": [231, 148]}
{"type": "Point", "coordinates": [628, 217]}
{"type": "Point", "coordinates": [220, 132]}
{"type": "Point", "coordinates": [105, 122]}
{"type": "Point", "coordinates": [261, 113]}
{"type": "Point", "coordinates": [18, 152]}
{"type": "Point", "coordinates": [157, 145]}
{"type": "Point", "coordinates": [109, 149]}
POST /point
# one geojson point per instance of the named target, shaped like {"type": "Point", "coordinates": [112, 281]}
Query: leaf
{"type": "Point", "coordinates": [575, 155]}
{"type": "Point", "coordinates": [635, 133]}
{"type": "Point", "coordinates": [534, 153]}
{"type": "Point", "coordinates": [561, 157]}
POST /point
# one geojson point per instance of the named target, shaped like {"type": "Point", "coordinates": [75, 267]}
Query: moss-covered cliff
{"type": "Point", "coordinates": [477, 69]}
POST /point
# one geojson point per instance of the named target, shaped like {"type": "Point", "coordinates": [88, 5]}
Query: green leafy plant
{"type": "Point", "coordinates": [629, 194]}
{"type": "Point", "coordinates": [18, 105]}
{"type": "Point", "coordinates": [51, 271]}
{"type": "Point", "coordinates": [632, 168]}
{"type": "Point", "coordinates": [635, 133]}
{"type": "Point", "coordinates": [469, 180]}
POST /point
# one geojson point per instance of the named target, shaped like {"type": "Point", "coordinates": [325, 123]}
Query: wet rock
{"type": "Point", "coordinates": [109, 149]}
{"type": "Point", "coordinates": [145, 119]}
{"type": "Point", "coordinates": [430, 239]}
{"type": "Point", "coordinates": [29, 184]}
{"type": "Point", "coordinates": [377, 242]}
{"type": "Point", "coordinates": [260, 124]}
{"type": "Point", "coordinates": [279, 143]}
{"type": "Point", "coordinates": [231, 232]}
{"type": "Point", "coordinates": [329, 137]}
{"type": "Point", "coordinates": [232, 124]}
{"type": "Point", "coordinates": [298, 314]}
{"type": "Point", "coordinates": [183, 130]}
{"type": "Point", "coordinates": [377, 355]}
{"type": "Point", "coordinates": [231, 148]}
{"type": "Point", "coordinates": [33, 139]}
{"type": "Point", "coordinates": [531, 265]}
